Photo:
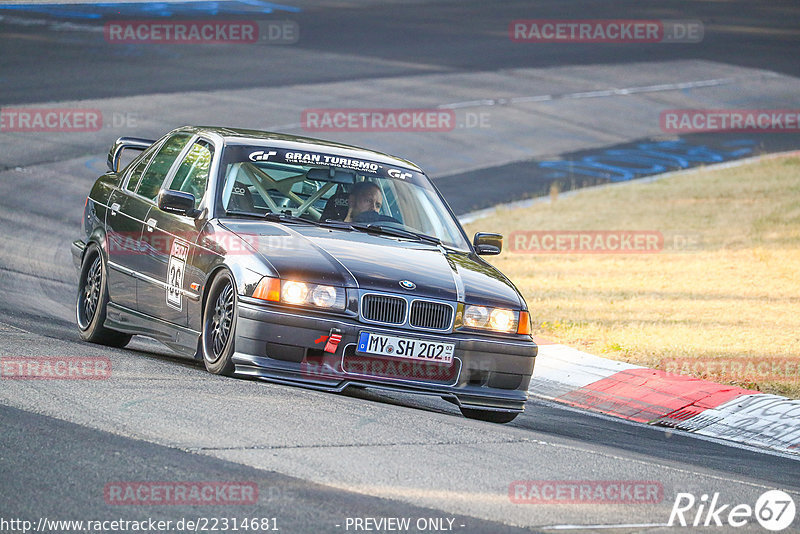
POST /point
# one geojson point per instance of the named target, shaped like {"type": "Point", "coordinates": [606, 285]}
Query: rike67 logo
{"type": "Point", "coordinates": [774, 510]}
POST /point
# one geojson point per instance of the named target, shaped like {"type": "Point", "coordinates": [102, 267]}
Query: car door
{"type": "Point", "coordinates": [173, 238]}
{"type": "Point", "coordinates": [124, 219]}
{"type": "Point", "coordinates": [136, 201]}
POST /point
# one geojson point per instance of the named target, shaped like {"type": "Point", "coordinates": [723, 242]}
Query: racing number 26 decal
{"type": "Point", "coordinates": [177, 264]}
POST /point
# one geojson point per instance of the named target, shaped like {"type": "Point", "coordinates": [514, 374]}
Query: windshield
{"type": "Point", "coordinates": [321, 187]}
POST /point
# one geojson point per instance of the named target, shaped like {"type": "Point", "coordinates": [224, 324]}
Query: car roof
{"type": "Point", "coordinates": [240, 136]}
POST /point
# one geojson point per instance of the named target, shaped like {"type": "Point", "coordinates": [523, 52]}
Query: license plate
{"type": "Point", "coordinates": [403, 347]}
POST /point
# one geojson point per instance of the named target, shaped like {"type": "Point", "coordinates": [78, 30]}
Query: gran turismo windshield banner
{"type": "Point", "coordinates": [256, 154]}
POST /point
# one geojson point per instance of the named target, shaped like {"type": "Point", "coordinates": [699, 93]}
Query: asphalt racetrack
{"type": "Point", "coordinates": [320, 461]}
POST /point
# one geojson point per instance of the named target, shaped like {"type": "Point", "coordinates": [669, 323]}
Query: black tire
{"type": "Point", "coordinates": [220, 314]}
{"type": "Point", "coordinates": [489, 415]}
{"type": "Point", "coordinates": [90, 308]}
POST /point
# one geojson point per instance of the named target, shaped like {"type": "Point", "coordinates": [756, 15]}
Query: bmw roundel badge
{"type": "Point", "coordinates": [408, 284]}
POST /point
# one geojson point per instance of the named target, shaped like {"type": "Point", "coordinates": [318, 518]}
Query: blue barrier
{"type": "Point", "coordinates": [620, 165]}
{"type": "Point", "coordinates": [106, 10]}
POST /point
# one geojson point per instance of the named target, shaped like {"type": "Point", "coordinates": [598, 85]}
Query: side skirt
{"type": "Point", "coordinates": [179, 338]}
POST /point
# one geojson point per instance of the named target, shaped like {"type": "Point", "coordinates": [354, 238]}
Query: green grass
{"type": "Point", "coordinates": [731, 295]}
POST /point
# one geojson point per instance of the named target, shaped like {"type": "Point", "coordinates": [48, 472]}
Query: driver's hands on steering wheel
{"type": "Point", "coordinates": [370, 216]}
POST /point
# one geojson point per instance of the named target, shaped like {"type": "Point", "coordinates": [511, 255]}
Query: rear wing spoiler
{"type": "Point", "coordinates": [119, 146]}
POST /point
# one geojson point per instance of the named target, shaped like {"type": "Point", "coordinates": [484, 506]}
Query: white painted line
{"type": "Point", "coordinates": [52, 24]}
{"type": "Point", "coordinates": [468, 104]}
{"type": "Point", "coordinates": [624, 91]}
{"type": "Point", "coordinates": [523, 99]}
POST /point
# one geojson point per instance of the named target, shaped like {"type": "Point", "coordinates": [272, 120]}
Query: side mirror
{"type": "Point", "coordinates": [176, 202]}
{"type": "Point", "coordinates": [119, 146]}
{"type": "Point", "coordinates": [488, 244]}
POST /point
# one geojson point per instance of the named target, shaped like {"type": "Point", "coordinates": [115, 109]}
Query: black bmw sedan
{"type": "Point", "coordinates": [303, 262]}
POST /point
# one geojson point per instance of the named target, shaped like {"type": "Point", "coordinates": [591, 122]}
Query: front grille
{"type": "Point", "coordinates": [384, 309]}
{"type": "Point", "coordinates": [433, 315]}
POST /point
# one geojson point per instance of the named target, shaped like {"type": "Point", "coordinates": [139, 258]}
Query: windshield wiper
{"type": "Point", "coordinates": [273, 217]}
{"type": "Point", "coordinates": [287, 218]}
{"type": "Point", "coordinates": [396, 232]}
{"type": "Point", "coordinates": [245, 213]}
{"type": "Point", "coordinates": [333, 223]}
{"type": "Point", "coordinates": [341, 225]}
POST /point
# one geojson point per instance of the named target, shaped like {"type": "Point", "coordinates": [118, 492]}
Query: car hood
{"type": "Point", "coordinates": [375, 262]}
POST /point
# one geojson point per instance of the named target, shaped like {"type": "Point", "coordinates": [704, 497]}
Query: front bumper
{"type": "Point", "coordinates": [286, 345]}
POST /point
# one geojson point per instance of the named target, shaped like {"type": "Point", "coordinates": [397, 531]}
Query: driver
{"type": "Point", "coordinates": [365, 201]}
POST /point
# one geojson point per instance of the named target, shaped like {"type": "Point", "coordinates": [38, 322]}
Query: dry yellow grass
{"type": "Point", "coordinates": [733, 296]}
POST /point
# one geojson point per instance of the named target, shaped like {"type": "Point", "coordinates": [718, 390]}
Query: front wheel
{"type": "Point", "coordinates": [488, 415]}
{"type": "Point", "coordinates": [219, 325]}
{"type": "Point", "coordinates": [92, 301]}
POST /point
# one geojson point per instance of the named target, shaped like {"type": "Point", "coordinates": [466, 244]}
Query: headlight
{"type": "Point", "coordinates": [502, 320]}
{"type": "Point", "coordinates": [496, 319]}
{"type": "Point", "coordinates": [476, 316]}
{"type": "Point", "coordinates": [294, 292]}
{"type": "Point", "coordinates": [323, 296]}
{"type": "Point", "coordinates": [300, 293]}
